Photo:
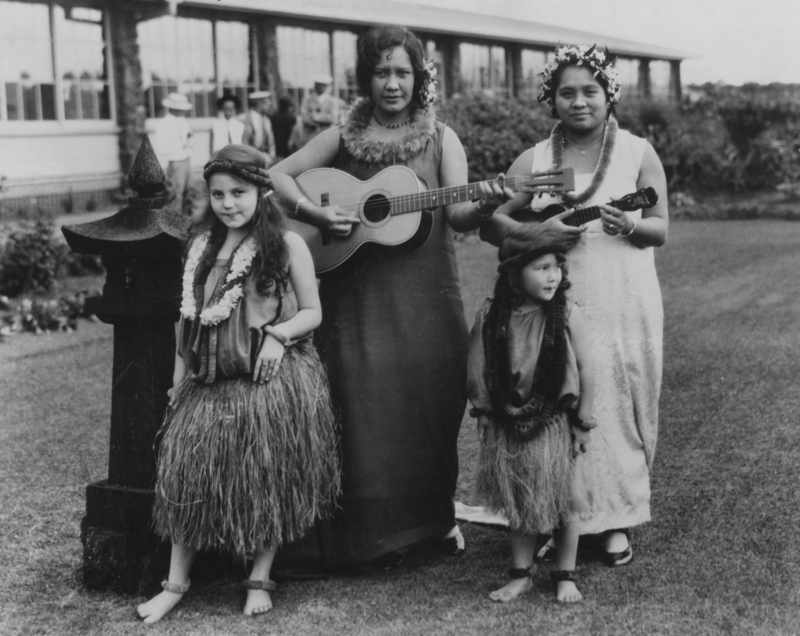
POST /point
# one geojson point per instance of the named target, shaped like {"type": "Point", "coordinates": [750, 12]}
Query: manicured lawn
{"type": "Point", "coordinates": [720, 557]}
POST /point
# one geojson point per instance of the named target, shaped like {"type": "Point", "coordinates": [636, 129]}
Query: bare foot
{"type": "Point", "coordinates": [258, 602]}
{"type": "Point", "coordinates": [511, 590]}
{"type": "Point", "coordinates": [567, 592]}
{"type": "Point", "coordinates": [157, 607]}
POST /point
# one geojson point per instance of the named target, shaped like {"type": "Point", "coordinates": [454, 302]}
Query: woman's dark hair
{"type": "Point", "coordinates": [599, 78]}
{"type": "Point", "coordinates": [237, 104]}
{"type": "Point", "coordinates": [272, 261]}
{"type": "Point", "coordinates": [509, 285]}
{"type": "Point", "coordinates": [386, 36]}
{"type": "Point", "coordinates": [285, 104]}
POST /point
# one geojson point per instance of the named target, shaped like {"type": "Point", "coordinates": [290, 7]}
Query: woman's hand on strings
{"type": "Point", "coordinates": [614, 221]}
{"type": "Point", "coordinates": [338, 221]}
{"type": "Point", "coordinates": [495, 193]}
{"type": "Point", "coordinates": [268, 360]}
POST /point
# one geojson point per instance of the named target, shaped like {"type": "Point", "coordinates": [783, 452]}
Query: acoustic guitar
{"type": "Point", "coordinates": [639, 200]}
{"type": "Point", "coordinates": [394, 207]}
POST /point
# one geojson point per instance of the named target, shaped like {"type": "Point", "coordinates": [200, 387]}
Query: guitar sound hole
{"type": "Point", "coordinates": [376, 208]}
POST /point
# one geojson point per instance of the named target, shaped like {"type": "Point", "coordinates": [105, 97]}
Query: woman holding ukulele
{"type": "Point", "coordinates": [614, 283]}
{"type": "Point", "coordinates": [394, 336]}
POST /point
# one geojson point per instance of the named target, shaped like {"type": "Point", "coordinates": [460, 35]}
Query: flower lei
{"type": "Point", "coordinates": [580, 56]}
{"type": "Point", "coordinates": [557, 145]}
{"type": "Point", "coordinates": [427, 92]}
{"type": "Point", "coordinates": [232, 290]}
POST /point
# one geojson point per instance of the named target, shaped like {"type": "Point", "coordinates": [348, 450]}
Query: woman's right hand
{"type": "Point", "coordinates": [337, 220]}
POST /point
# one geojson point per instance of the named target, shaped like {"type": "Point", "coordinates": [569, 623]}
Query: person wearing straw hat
{"type": "Point", "coordinates": [320, 110]}
{"type": "Point", "coordinates": [257, 126]}
{"type": "Point", "coordinates": [171, 143]}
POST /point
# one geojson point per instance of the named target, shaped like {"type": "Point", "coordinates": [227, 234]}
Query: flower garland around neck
{"type": "Point", "coordinates": [233, 289]}
{"type": "Point", "coordinates": [558, 143]}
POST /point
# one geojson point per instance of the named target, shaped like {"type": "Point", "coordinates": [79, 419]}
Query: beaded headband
{"type": "Point", "coordinates": [253, 174]}
{"type": "Point", "coordinates": [598, 62]}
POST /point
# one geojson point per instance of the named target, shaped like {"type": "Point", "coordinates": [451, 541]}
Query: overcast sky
{"type": "Point", "coordinates": [734, 41]}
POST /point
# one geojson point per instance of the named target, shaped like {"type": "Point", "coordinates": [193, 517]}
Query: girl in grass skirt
{"type": "Point", "coordinates": [247, 455]}
{"type": "Point", "coordinates": [531, 388]}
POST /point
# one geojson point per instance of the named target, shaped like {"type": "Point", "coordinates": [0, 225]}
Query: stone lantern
{"type": "Point", "coordinates": [141, 248]}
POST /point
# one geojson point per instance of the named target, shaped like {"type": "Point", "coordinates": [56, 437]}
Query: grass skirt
{"type": "Point", "coordinates": [244, 465]}
{"type": "Point", "coordinates": [529, 482]}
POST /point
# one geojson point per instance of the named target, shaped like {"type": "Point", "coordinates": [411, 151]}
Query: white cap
{"type": "Point", "coordinates": [259, 95]}
{"type": "Point", "coordinates": [323, 79]}
{"type": "Point", "coordinates": [177, 101]}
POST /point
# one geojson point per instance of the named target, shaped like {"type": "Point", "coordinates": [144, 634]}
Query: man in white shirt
{"type": "Point", "coordinates": [320, 110]}
{"type": "Point", "coordinates": [227, 128]}
{"type": "Point", "coordinates": [257, 126]}
{"type": "Point", "coordinates": [171, 143]}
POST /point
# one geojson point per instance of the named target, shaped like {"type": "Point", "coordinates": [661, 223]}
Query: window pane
{"type": "Point", "coordinates": [81, 53]}
{"type": "Point", "coordinates": [26, 60]}
{"type": "Point", "coordinates": [474, 67]}
{"type": "Point", "coordinates": [533, 63]}
{"type": "Point", "coordinates": [659, 79]}
{"type": "Point", "coordinates": [628, 76]}
{"type": "Point", "coordinates": [177, 55]}
{"type": "Point", "coordinates": [234, 63]}
{"type": "Point", "coordinates": [302, 55]}
{"type": "Point", "coordinates": [344, 64]}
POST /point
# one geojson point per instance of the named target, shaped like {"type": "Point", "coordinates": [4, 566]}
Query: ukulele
{"type": "Point", "coordinates": [641, 199]}
{"type": "Point", "coordinates": [394, 207]}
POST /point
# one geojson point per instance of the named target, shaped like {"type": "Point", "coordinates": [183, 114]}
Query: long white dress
{"type": "Point", "coordinates": [614, 283]}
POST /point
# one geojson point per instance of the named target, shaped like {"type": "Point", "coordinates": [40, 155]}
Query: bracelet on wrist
{"type": "Point", "coordinates": [271, 331]}
{"type": "Point", "coordinates": [297, 205]}
{"type": "Point", "coordinates": [629, 232]}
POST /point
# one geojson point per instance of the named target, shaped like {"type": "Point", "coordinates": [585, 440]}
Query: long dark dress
{"type": "Point", "coordinates": [394, 339]}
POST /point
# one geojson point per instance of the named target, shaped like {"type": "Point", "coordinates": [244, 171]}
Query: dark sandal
{"type": "Point", "coordinates": [519, 573]}
{"type": "Point", "coordinates": [615, 559]}
{"type": "Point", "coordinates": [267, 586]}
{"type": "Point", "coordinates": [556, 576]}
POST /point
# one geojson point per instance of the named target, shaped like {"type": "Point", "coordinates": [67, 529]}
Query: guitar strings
{"type": "Point", "coordinates": [415, 199]}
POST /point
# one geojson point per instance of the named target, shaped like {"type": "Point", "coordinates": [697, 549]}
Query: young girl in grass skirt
{"type": "Point", "coordinates": [247, 455]}
{"type": "Point", "coordinates": [531, 388]}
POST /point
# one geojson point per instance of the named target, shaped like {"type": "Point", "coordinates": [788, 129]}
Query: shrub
{"type": "Point", "coordinates": [33, 259]}
{"type": "Point", "coordinates": [29, 261]}
{"type": "Point", "coordinates": [494, 131]}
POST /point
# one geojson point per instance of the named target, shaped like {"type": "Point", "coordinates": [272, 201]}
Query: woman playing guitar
{"type": "Point", "coordinates": [394, 336]}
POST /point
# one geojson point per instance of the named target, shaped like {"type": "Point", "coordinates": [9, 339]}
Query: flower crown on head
{"type": "Point", "coordinates": [600, 63]}
{"type": "Point", "coordinates": [427, 92]}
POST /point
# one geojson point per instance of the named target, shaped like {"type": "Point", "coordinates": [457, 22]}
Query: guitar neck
{"type": "Point", "coordinates": [430, 199]}
{"type": "Point", "coordinates": [583, 215]}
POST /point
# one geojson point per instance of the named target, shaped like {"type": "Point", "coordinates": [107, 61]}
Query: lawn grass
{"type": "Point", "coordinates": [720, 557]}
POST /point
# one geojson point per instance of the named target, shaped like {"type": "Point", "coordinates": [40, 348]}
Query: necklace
{"type": "Point", "coordinates": [557, 146]}
{"type": "Point", "coordinates": [583, 149]}
{"type": "Point", "coordinates": [385, 125]}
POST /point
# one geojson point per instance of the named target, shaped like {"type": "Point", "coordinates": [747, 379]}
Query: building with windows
{"type": "Point", "coordinates": [82, 80]}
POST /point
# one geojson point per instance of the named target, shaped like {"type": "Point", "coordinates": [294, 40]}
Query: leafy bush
{"type": "Point", "coordinates": [29, 261]}
{"type": "Point", "coordinates": [33, 259]}
{"type": "Point", "coordinates": [494, 131]}
{"type": "Point", "coordinates": [737, 139]}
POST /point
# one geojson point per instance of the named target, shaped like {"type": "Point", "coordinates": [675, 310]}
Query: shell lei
{"type": "Point", "coordinates": [241, 264]}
